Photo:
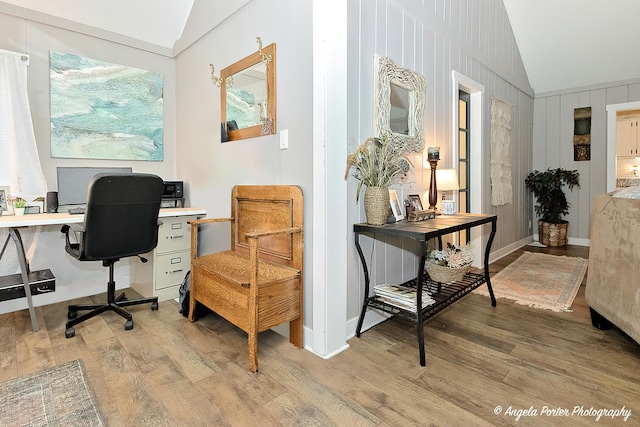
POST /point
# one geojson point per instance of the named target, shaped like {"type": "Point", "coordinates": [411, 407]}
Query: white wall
{"type": "Point", "coordinates": [553, 143]}
{"type": "Point", "coordinates": [37, 39]}
{"type": "Point", "coordinates": [210, 168]}
{"type": "Point", "coordinates": [433, 38]}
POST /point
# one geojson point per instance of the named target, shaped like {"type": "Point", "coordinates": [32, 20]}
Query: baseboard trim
{"type": "Point", "coordinates": [502, 252]}
{"type": "Point", "coordinates": [571, 241]}
{"type": "Point", "coordinates": [371, 318]}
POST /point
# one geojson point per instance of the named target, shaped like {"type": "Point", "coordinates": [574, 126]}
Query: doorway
{"type": "Point", "coordinates": [464, 160]}
{"type": "Point", "coordinates": [474, 171]}
{"type": "Point", "coordinates": [612, 117]}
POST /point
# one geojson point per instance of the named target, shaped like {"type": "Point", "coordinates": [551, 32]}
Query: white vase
{"type": "Point", "coordinates": [18, 211]}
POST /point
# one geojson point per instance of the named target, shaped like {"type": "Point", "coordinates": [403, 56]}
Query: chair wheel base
{"type": "Point", "coordinates": [154, 305]}
{"type": "Point", "coordinates": [128, 325]}
{"type": "Point", "coordinates": [72, 314]}
{"type": "Point", "coordinates": [70, 332]}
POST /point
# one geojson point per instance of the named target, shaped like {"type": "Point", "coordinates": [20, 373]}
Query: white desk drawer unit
{"type": "Point", "coordinates": [168, 263]}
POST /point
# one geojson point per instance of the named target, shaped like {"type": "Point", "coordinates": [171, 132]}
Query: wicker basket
{"type": "Point", "coordinates": [444, 274]}
{"type": "Point", "coordinates": [376, 205]}
{"type": "Point", "coordinates": [552, 234]}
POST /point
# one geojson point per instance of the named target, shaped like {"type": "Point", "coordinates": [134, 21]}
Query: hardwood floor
{"type": "Point", "coordinates": [170, 372]}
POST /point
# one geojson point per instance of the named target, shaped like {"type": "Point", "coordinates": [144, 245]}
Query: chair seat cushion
{"type": "Point", "coordinates": [236, 267]}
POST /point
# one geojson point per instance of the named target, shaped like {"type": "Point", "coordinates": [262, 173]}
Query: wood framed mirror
{"type": "Point", "coordinates": [399, 105]}
{"type": "Point", "coordinates": [248, 96]}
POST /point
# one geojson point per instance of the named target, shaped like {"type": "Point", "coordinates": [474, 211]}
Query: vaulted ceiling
{"type": "Point", "coordinates": [564, 44]}
{"type": "Point", "coordinates": [575, 43]}
{"type": "Point", "coordinates": [158, 22]}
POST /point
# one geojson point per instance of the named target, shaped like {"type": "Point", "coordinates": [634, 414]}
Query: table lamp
{"type": "Point", "coordinates": [447, 181]}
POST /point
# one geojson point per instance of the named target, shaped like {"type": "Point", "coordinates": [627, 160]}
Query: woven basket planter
{"type": "Point", "coordinates": [376, 205]}
{"type": "Point", "coordinates": [552, 234]}
{"type": "Point", "coordinates": [444, 274]}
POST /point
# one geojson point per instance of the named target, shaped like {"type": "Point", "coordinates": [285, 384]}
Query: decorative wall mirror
{"type": "Point", "coordinates": [248, 95]}
{"type": "Point", "coordinates": [399, 105]}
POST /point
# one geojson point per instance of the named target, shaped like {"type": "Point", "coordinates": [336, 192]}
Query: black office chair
{"type": "Point", "coordinates": [121, 220]}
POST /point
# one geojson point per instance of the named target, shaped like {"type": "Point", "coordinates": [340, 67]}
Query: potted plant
{"type": "Point", "coordinates": [552, 204]}
{"type": "Point", "coordinates": [376, 165]}
{"type": "Point", "coordinates": [18, 205]}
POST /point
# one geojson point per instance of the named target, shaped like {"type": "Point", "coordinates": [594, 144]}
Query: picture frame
{"type": "Point", "coordinates": [5, 195]}
{"type": "Point", "coordinates": [396, 208]}
{"type": "Point", "coordinates": [416, 203]}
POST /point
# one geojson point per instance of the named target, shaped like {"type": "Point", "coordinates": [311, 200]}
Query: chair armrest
{"type": "Point", "coordinates": [258, 234]}
{"type": "Point", "coordinates": [194, 231]}
{"type": "Point", "coordinates": [254, 243]}
{"type": "Point", "coordinates": [77, 230]}
{"type": "Point", "coordinates": [208, 220]}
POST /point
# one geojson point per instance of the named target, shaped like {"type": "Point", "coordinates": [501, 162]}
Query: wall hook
{"type": "Point", "coordinates": [218, 81]}
{"type": "Point", "coordinates": [266, 58]}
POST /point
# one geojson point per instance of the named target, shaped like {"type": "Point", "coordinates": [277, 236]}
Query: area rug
{"type": "Point", "coordinates": [57, 396]}
{"type": "Point", "coordinates": [538, 280]}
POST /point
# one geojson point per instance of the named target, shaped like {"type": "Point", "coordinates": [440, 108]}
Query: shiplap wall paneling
{"type": "Point", "coordinates": [553, 140]}
{"type": "Point", "coordinates": [433, 38]}
{"type": "Point", "coordinates": [597, 175]}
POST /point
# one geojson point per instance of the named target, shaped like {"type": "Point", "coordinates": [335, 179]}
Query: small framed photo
{"type": "Point", "coordinates": [4, 199]}
{"type": "Point", "coordinates": [396, 208]}
{"type": "Point", "coordinates": [416, 203]}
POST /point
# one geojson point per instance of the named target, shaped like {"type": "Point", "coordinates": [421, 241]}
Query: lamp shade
{"type": "Point", "coordinates": [447, 179]}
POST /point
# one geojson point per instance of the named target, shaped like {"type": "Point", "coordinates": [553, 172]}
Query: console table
{"type": "Point", "coordinates": [443, 294]}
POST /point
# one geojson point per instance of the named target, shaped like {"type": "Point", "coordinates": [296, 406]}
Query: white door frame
{"type": "Point", "coordinates": [476, 91]}
{"type": "Point", "coordinates": [612, 117]}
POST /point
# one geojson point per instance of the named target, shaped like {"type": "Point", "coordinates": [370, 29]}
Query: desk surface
{"type": "Point", "coordinates": [7, 221]}
{"type": "Point", "coordinates": [424, 230]}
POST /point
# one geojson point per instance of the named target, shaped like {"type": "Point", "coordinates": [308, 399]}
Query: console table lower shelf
{"type": "Point", "coordinates": [444, 295]}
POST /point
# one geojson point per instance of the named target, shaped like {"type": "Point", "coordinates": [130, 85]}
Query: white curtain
{"type": "Point", "coordinates": [501, 189]}
{"type": "Point", "coordinates": [19, 161]}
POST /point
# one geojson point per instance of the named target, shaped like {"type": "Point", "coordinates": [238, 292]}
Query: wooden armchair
{"type": "Point", "coordinates": [257, 284]}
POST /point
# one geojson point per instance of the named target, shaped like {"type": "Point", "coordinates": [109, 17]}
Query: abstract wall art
{"type": "Point", "coordinates": [101, 110]}
{"type": "Point", "coordinates": [582, 134]}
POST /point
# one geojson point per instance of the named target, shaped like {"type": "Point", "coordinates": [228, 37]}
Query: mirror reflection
{"type": "Point", "coordinates": [248, 96]}
{"type": "Point", "coordinates": [399, 117]}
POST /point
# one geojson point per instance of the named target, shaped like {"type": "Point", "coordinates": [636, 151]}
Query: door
{"type": "Point", "coordinates": [464, 152]}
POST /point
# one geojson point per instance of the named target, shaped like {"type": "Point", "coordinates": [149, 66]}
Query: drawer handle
{"type": "Point", "coordinates": [173, 271]}
{"type": "Point", "coordinates": [175, 237]}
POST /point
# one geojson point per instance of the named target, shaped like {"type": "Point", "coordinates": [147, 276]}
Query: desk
{"type": "Point", "coordinates": [13, 223]}
{"type": "Point", "coordinates": [443, 294]}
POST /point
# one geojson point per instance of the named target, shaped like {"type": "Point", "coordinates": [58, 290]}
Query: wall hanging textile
{"type": "Point", "coordinates": [501, 190]}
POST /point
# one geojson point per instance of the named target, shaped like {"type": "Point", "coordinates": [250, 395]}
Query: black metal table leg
{"type": "Point", "coordinates": [421, 259]}
{"type": "Point", "coordinates": [486, 262]}
{"type": "Point", "coordinates": [366, 285]}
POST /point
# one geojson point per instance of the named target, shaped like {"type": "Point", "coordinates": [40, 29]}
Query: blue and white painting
{"type": "Point", "coordinates": [101, 110]}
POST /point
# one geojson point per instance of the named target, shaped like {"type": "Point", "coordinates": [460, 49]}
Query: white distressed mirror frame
{"type": "Point", "coordinates": [387, 73]}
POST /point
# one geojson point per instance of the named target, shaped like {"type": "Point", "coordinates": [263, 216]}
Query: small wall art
{"type": "Point", "coordinates": [582, 134]}
{"type": "Point", "coordinates": [101, 110]}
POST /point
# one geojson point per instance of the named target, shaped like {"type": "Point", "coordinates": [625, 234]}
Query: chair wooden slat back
{"type": "Point", "coordinates": [262, 208]}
